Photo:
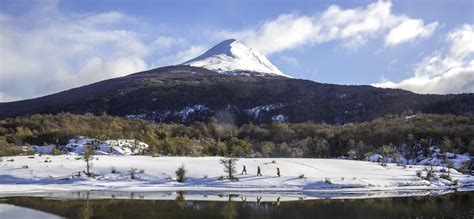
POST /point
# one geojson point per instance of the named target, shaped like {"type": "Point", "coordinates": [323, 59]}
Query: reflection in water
{"type": "Point", "coordinates": [229, 211]}
{"type": "Point", "coordinates": [181, 205]}
{"type": "Point", "coordinates": [11, 211]}
{"type": "Point", "coordinates": [244, 200]}
{"type": "Point", "coordinates": [277, 202]}
{"type": "Point", "coordinates": [180, 200]}
{"type": "Point", "coordinates": [86, 211]}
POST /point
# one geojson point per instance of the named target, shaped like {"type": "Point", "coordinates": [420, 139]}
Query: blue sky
{"type": "Point", "coordinates": [422, 46]}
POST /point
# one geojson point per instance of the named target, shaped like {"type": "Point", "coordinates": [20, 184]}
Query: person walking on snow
{"type": "Point", "coordinates": [259, 173]}
{"type": "Point", "coordinates": [278, 172]}
{"type": "Point", "coordinates": [244, 171]}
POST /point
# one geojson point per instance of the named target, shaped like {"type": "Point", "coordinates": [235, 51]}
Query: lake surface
{"type": "Point", "coordinates": [183, 205]}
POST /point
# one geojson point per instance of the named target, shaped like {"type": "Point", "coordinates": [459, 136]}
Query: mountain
{"type": "Point", "coordinates": [233, 57]}
{"type": "Point", "coordinates": [229, 91]}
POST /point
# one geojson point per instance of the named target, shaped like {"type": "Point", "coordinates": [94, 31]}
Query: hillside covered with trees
{"type": "Point", "coordinates": [407, 134]}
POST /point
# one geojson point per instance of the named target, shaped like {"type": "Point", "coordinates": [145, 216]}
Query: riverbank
{"type": "Point", "coordinates": [22, 175]}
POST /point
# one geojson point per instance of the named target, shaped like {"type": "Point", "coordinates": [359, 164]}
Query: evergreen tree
{"type": "Point", "coordinates": [230, 167]}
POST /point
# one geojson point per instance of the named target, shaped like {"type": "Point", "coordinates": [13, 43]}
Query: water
{"type": "Point", "coordinates": [262, 206]}
{"type": "Point", "coordinates": [12, 211]}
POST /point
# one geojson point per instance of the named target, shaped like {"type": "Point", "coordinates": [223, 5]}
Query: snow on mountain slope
{"type": "Point", "coordinates": [233, 57]}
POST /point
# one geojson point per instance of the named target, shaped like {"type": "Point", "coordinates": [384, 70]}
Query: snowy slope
{"type": "Point", "coordinates": [233, 57]}
{"type": "Point", "coordinates": [320, 176]}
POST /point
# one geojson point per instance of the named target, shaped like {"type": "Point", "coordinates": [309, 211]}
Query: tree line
{"type": "Point", "coordinates": [213, 138]}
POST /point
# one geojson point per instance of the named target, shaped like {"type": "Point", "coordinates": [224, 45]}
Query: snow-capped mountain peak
{"type": "Point", "coordinates": [233, 57]}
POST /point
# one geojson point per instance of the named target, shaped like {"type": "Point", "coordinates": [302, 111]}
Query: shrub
{"type": "Point", "coordinates": [132, 172]}
{"type": "Point", "coordinates": [180, 173]}
{"type": "Point", "coordinates": [429, 173]}
{"type": "Point", "coordinates": [327, 180]}
{"type": "Point", "coordinates": [464, 167]}
{"type": "Point", "coordinates": [445, 176]}
{"type": "Point", "coordinates": [55, 151]}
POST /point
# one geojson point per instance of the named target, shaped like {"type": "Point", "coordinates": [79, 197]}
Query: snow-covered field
{"type": "Point", "coordinates": [27, 175]}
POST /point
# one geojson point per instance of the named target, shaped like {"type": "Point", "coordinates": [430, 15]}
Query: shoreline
{"type": "Point", "coordinates": [322, 178]}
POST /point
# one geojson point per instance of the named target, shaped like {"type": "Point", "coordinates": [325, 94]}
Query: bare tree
{"type": "Point", "coordinates": [87, 157]}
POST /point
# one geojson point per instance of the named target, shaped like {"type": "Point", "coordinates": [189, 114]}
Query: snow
{"type": "Point", "coordinates": [279, 118]}
{"type": "Point", "coordinates": [47, 149]}
{"type": "Point", "coordinates": [435, 158]}
{"type": "Point", "coordinates": [375, 158]}
{"type": "Point", "coordinates": [77, 146]}
{"type": "Point", "coordinates": [231, 57]}
{"type": "Point", "coordinates": [409, 118]}
{"type": "Point", "coordinates": [184, 113]}
{"type": "Point", "coordinates": [58, 174]}
{"type": "Point", "coordinates": [256, 111]}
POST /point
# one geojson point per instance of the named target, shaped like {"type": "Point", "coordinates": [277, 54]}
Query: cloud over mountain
{"type": "Point", "coordinates": [353, 27]}
{"type": "Point", "coordinates": [449, 70]}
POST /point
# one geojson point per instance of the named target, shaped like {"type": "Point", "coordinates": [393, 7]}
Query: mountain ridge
{"type": "Point", "coordinates": [184, 94]}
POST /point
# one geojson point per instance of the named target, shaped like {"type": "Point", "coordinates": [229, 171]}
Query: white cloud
{"type": "Point", "coordinates": [287, 31]}
{"type": "Point", "coordinates": [181, 55]}
{"type": "Point", "coordinates": [162, 42]}
{"type": "Point", "coordinates": [409, 30]}
{"type": "Point", "coordinates": [289, 60]}
{"type": "Point", "coordinates": [46, 51]}
{"type": "Point", "coordinates": [450, 70]}
{"type": "Point", "coordinates": [353, 27]}
{"type": "Point", "coordinates": [4, 97]}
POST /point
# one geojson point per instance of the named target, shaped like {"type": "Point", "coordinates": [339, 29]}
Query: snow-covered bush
{"type": "Point", "coordinates": [426, 173]}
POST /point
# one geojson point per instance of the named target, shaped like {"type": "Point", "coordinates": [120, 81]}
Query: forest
{"type": "Point", "coordinates": [407, 134]}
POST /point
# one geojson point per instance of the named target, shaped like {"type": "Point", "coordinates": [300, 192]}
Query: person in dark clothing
{"type": "Point", "coordinates": [244, 171]}
{"type": "Point", "coordinates": [278, 172]}
{"type": "Point", "coordinates": [259, 173]}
